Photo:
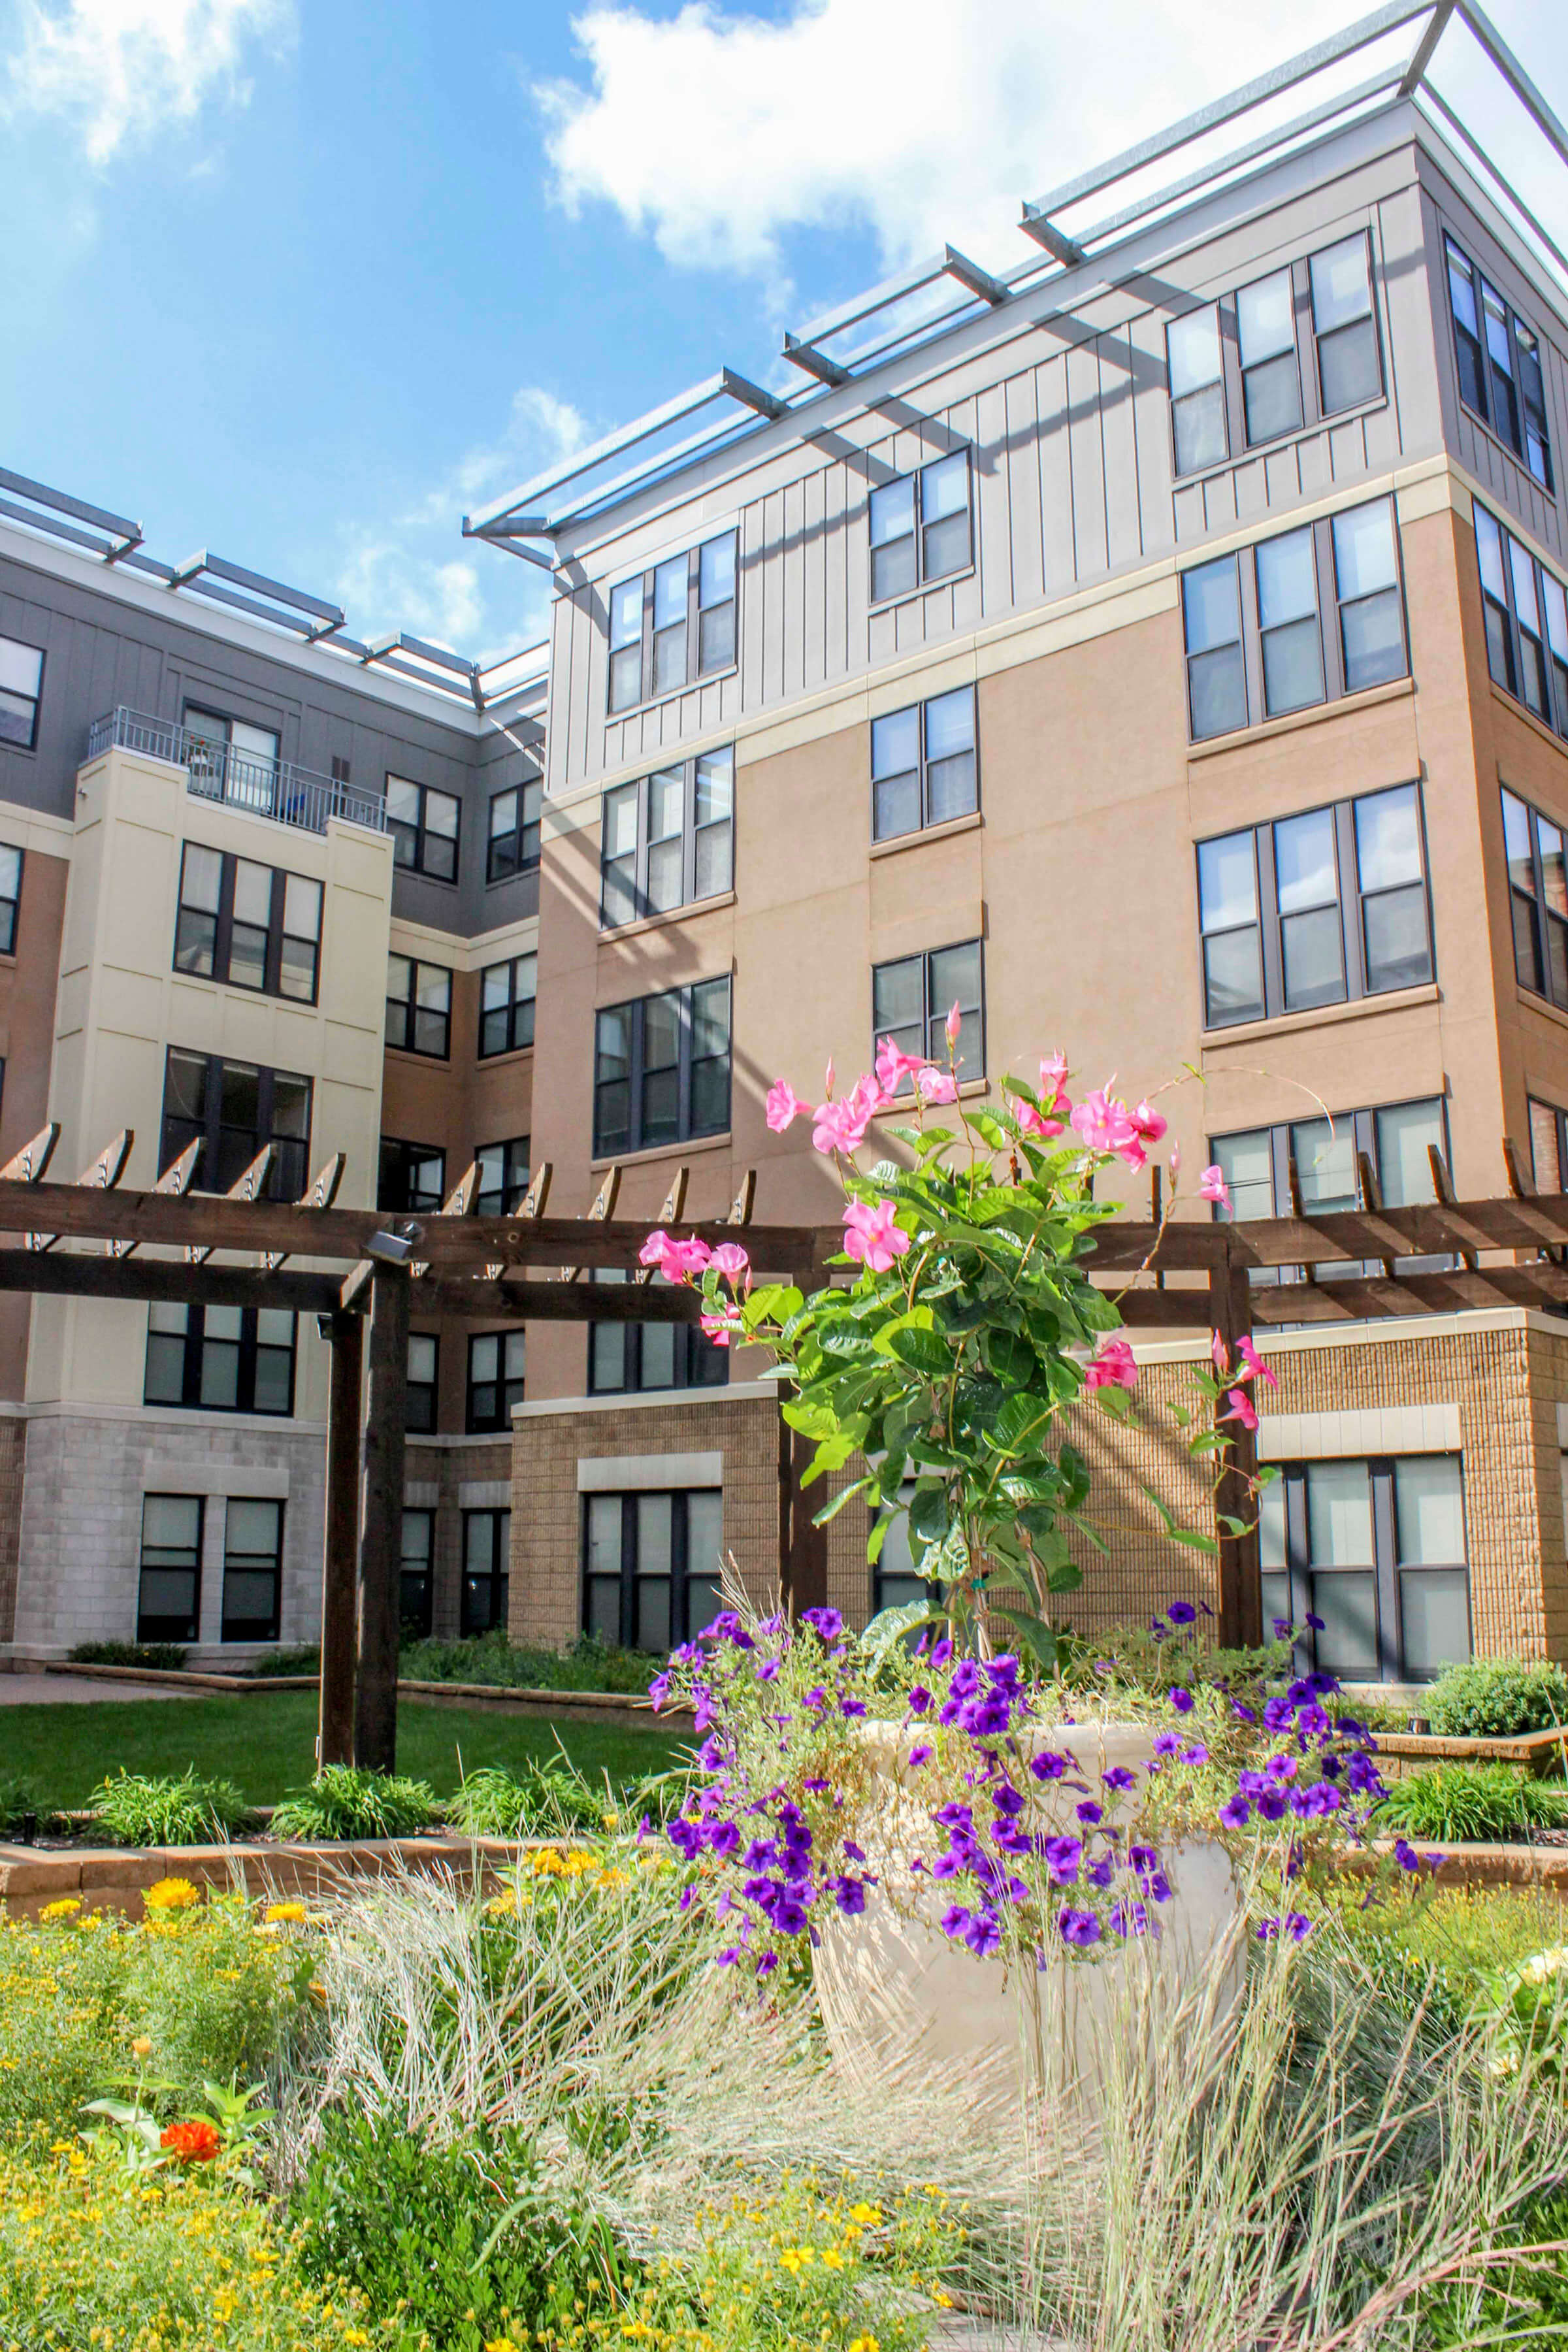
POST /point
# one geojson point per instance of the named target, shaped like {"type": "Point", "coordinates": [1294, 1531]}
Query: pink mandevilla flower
{"type": "Point", "coordinates": [719, 1325]}
{"type": "Point", "coordinates": [1240, 1409]}
{"type": "Point", "coordinates": [784, 1105]}
{"type": "Point", "coordinates": [1219, 1357]}
{"type": "Point", "coordinates": [1212, 1186]}
{"type": "Point", "coordinates": [936, 1086]}
{"type": "Point", "coordinates": [732, 1263]}
{"type": "Point", "coordinates": [681, 1259]}
{"type": "Point", "coordinates": [1106, 1125]}
{"type": "Point", "coordinates": [1114, 1367]}
{"type": "Point", "coordinates": [1053, 1076]}
{"type": "Point", "coordinates": [953, 1023]}
{"type": "Point", "coordinates": [653, 1249]}
{"type": "Point", "coordinates": [871, 1236]}
{"type": "Point", "coordinates": [1256, 1367]}
{"type": "Point", "coordinates": [893, 1065]}
{"type": "Point", "coordinates": [1033, 1122]}
{"type": "Point", "coordinates": [1149, 1123]}
{"type": "Point", "coordinates": [1175, 1162]}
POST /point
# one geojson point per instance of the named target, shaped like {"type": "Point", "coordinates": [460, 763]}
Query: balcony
{"type": "Point", "coordinates": [217, 772]}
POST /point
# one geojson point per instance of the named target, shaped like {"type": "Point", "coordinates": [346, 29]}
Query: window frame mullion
{"type": "Point", "coordinates": [1271, 934]}
{"type": "Point", "coordinates": [1353, 916]}
{"type": "Point", "coordinates": [1385, 1571]}
{"type": "Point", "coordinates": [1299, 1564]}
{"type": "Point", "coordinates": [628, 1568]}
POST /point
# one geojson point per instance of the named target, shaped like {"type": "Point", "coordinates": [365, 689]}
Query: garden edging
{"type": "Point", "coordinates": [112, 1877]}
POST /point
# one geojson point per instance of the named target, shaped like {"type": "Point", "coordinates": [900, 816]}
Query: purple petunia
{"type": "Point", "coordinates": [827, 1623]}
{"type": "Point", "coordinates": [1062, 1857]}
{"type": "Point", "coordinates": [1182, 1700]}
{"type": "Point", "coordinates": [1181, 1612]}
{"type": "Point", "coordinates": [1048, 1766]}
{"type": "Point", "coordinates": [1406, 1856]}
{"type": "Point", "coordinates": [1079, 1927]}
{"type": "Point", "coordinates": [1118, 1777]}
{"type": "Point", "coordinates": [1166, 1743]}
{"type": "Point", "coordinates": [919, 1699]}
{"type": "Point", "coordinates": [1090, 1811]}
{"type": "Point", "coordinates": [849, 1894]}
{"type": "Point", "coordinates": [954, 1921]}
{"type": "Point", "coordinates": [983, 1934]}
{"type": "Point", "coordinates": [1236, 1814]}
{"type": "Point", "coordinates": [920, 1755]}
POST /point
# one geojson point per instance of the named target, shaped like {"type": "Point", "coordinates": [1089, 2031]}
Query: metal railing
{"type": "Point", "coordinates": [217, 772]}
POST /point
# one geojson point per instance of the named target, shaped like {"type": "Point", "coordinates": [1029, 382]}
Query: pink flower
{"type": "Point", "coordinates": [1240, 1410]}
{"type": "Point", "coordinates": [1114, 1367]}
{"type": "Point", "coordinates": [1175, 1162]}
{"type": "Point", "coordinates": [1053, 1076]}
{"type": "Point", "coordinates": [784, 1105]}
{"type": "Point", "coordinates": [1149, 1123]}
{"type": "Point", "coordinates": [1102, 1122]}
{"type": "Point", "coordinates": [681, 1259]}
{"type": "Point", "coordinates": [871, 1236]}
{"type": "Point", "coordinates": [1219, 1357]}
{"type": "Point", "coordinates": [1256, 1367]}
{"type": "Point", "coordinates": [953, 1023]}
{"type": "Point", "coordinates": [732, 1263]}
{"type": "Point", "coordinates": [720, 1324]}
{"type": "Point", "coordinates": [1212, 1186]}
{"type": "Point", "coordinates": [653, 1249]}
{"type": "Point", "coordinates": [1033, 1122]}
{"type": "Point", "coordinates": [841, 1126]}
{"type": "Point", "coordinates": [894, 1066]}
{"type": "Point", "coordinates": [936, 1086]}
{"type": "Point", "coordinates": [827, 1080]}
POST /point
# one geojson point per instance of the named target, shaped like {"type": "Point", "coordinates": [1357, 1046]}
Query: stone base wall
{"type": "Point", "coordinates": [471, 1476]}
{"type": "Point", "coordinates": [13, 1459]}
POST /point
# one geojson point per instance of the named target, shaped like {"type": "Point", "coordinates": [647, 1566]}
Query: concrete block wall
{"type": "Point", "coordinates": [13, 1457]}
{"type": "Point", "coordinates": [451, 1477]}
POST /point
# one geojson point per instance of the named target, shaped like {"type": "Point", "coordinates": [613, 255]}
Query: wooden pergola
{"type": "Point", "coordinates": [370, 1268]}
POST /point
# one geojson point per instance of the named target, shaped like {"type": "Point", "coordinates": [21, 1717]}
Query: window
{"type": "Point", "coordinates": [668, 839]}
{"type": "Point", "coordinates": [412, 1177]}
{"type": "Point", "coordinates": [910, 1000]}
{"type": "Point", "coordinates": [1548, 1147]}
{"type": "Point", "coordinates": [625, 1359]}
{"type": "Point", "coordinates": [1376, 1550]}
{"type": "Point", "coordinates": [661, 1068]}
{"type": "Point", "coordinates": [417, 1579]}
{"type": "Point", "coordinates": [424, 1354]}
{"type": "Point", "coordinates": [252, 1569]}
{"type": "Point", "coordinates": [1344, 328]}
{"type": "Point", "coordinates": [650, 1566]}
{"type": "Point", "coordinates": [503, 1177]}
{"type": "Point", "coordinates": [1537, 899]}
{"type": "Point", "coordinates": [1196, 372]}
{"type": "Point", "coordinates": [486, 1561]}
{"type": "Point", "coordinates": [340, 770]}
{"type": "Point", "coordinates": [168, 1606]}
{"type": "Point", "coordinates": [495, 1379]}
{"type": "Point", "coordinates": [923, 764]}
{"type": "Point", "coordinates": [1394, 1138]}
{"type": "Point", "coordinates": [507, 992]}
{"type": "Point", "coordinates": [229, 759]}
{"type": "Point", "coordinates": [220, 1359]}
{"type": "Point", "coordinates": [920, 528]}
{"type": "Point", "coordinates": [1271, 376]}
{"type": "Point", "coordinates": [1288, 623]}
{"type": "Point", "coordinates": [423, 824]}
{"type": "Point", "coordinates": [21, 690]}
{"type": "Point", "coordinates": [246, 925]}
{"type": "Point", "coordinates": [1366, 576]}
{"type": "Point", "coordinates": [672, 626]}
{"type": "Point", "coordinates": [419, 1007]}
{"type": "Point", "coordinates": [1216, 669]}
{"type": "Point", "coordinates": [513, 845]}
{"type": "Point", "coordinates": [10, 896]}
{"type": "Point", "coordinates": [1526, 612]}
{"type": "Point", "coordinates": [1315, 908]}
{"type": "Point", "coordinates": [1498, 363]}
{"type": "Point", "coordinates": [232, 1109]}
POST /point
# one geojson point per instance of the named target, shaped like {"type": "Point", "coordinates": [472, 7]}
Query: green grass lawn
{"type": "Point", "coordinates": [267, 1745]}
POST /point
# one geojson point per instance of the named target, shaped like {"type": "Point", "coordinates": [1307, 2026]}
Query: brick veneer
{"type": "Point", "coordinates": [13, 1452]}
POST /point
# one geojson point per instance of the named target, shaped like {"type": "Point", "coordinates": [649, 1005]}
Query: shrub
{"type": "Point", "coordinates": [458, 2240]}
{"type": "Point", "coordinates": [544, 1800]}
{"type": "Point", "coordinates": [150, 1809]}
{"type": "Point", "coordinates": [588, 1665]}
{"type": "Point", "coordinates": [165, 1657]}
{"type": "Point", "coordinates": [1444, 1946]}
{"type": "Point", "coordinates": [18, 1798]}
{"type": "Point", "coordinates": [1497, 1698]}
{"type": "Point", "coordinates": [305, 1660]}
{"type": "Point", "coordinates": [1470, 1803]}
{"type": "Point", "coordinates": [348, 1800]}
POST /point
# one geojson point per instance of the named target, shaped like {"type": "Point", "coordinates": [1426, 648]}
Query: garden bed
{"type": "Point", "coordinates": [614, 1710]}
{"type": "Point", "coordinates": [115, 1878]}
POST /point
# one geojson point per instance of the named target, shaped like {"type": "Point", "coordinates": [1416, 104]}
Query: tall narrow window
{"type": "Point", "coordinates": [416, 1578]}
{"type": "Point", "coordinates": [671, 583]}
{"type": "Point", "coordinates": [487, 1565]}
{"type": "Point", "coordinates": [1396, 931]}
{"type": "Point", "coordinates": [513, 844]}
{"type": "Point", "coordinates": [1366, 572]}
{"type": "Point", "coordinates": [650, 1566]}
{"type": "Point", "coordinates": [626, 644]}
{"type": "Point", "coordinates": [1525, 609]}
{"type": "Point", "coordinates": [923, 764]}
{"type": "Point", "coordinates": [412, 1177]}
{"type": "Point", "coordinates": [893, 559]}
{"type": "Point", "coordinates": [423, 824]}
{"type": "Point", "coordinates": [1217, 673]}
{"type": "Point", "coordinates": [1310, 932]}
{"type": "Point", "coordinates": [1198, 390]}
{"type": "Point", "coordinates": [503, 1177]}
{"type": "Point", "coordinates": [496, 1379]}
{"type": "Point", "coordinates": [21, 690]}
{"type": "Point", "coordinates": [419, 1007]}
{"type": "Point", "coordinates": [10, 895]}
{"type": "Point", "coordinates": [716, 605]}
{"type": "Point", "coordinates": [910, 1000]}
{"type": "Point", "coordinates": [1270, 378]}
{"type": "Point", "coordinates": [168, 1606]}
{"type": "Point", "coordinates": [507, 993]}
{"type": "Point", "coordinates": [1344, 327]}
{"type": "Point", "coordinates": [1343, 1578]}
{"type": "Point", "coordinates": [1497, 361]}
{"type": "Point", "coordinates": [1538, 893]}
{"type": "Point", "coordinates": [1288, 621]}
{"type": "Point", "coordinates": [1228, 924]}
{"type": "Point", "coordinates": [424, 1352]}
{"type": "Point", "coordinates": [252, 1569]}
{"type": "Point", "coordinates": [1494, 600]}
{"type": "Point", "coordinates": [1533, 690]}
{"type": "Point", "coordinates": [661, 1068]}
{"type": "Point", "coordinates": [1434, 1581]}
{"type": "Point", "coordinates": [1469, 358]}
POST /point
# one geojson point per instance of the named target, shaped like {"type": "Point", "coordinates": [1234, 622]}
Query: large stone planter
{"type": "Point", "coordinates": [900, 2000]}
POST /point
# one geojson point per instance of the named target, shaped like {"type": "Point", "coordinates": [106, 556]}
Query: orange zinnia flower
{"type": "Point", "coordinates": [196, 2142]}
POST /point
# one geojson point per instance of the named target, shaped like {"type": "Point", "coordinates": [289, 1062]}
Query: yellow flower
{"type": "Point", "coordinates": [496, 2344]}
{"type": "Point", "coordinates": [867, 2215]}
{"type": "Point", "coordinates": [865, 2343]}
{"type": "Point", "coordinates": [284, 1914]}
{"type": "Point", "coordinates": [141, 2047]}
{"type": "Point", "coordinates": [68, 1906]}
{"type": "Point", "coordinates": [172, 1894]}
{"type": "Point", "coordinates": [832, 2258]}
{"type": "Point", "coordinates": [504, 1906]}
{"type": "Point", "coordinates": [358, 2335]}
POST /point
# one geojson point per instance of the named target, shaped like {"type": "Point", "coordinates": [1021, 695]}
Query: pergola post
{"type": "Point", "coordinates": [339, 1558]}
{"type": "Point", "coordinates": [1241, 1569]}
{"type": "Point", "coordinates": [381, 1528]}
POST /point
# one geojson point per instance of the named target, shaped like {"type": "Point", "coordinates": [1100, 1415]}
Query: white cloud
{"type": "Point", "coordinates": [717, 134]}
{"type": "Point", "coordinates": [121, 72]}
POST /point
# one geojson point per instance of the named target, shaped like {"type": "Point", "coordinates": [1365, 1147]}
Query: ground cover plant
{"type": "Point", "coordinates": [147, 1808]}
{"type": "Point", "coordinates": [547, 1799]}
{"type": "Point", "coordinates": [1497, 1698]}
{"type": "Point", "coordinates": [588, 1665]}
{"type": "Point", "coordinates": [165, 1657]}
{"type": "Point", "coordinates": [349, 1801]}
{"type": "Point", "coordinates": [1459, 1803]}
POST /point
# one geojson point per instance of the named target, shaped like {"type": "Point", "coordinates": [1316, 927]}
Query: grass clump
{"type": "Point", "coordinates": [304, 1660]}
{"type": "Point", "coordinates": [1470, 1804]}
{"type": "Point", "coordinates": [348, 1800]}
{"type": "Point", "coordinates": [550, 1799]}
{"type": "Point", "coordinates": [154, 1809]}
{"type": "Point", "coordinates": [162, 1657]}
{"type": "Point", "coordinates": [589, 1664]}
{"type": "Point", "coordinates": [1497, 1698]}
{"type": "Point", "coordinates": [18, 1798]}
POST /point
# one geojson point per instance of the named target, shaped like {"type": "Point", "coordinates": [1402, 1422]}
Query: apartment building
{"type": "Point", "coordinates": [1160, 650]}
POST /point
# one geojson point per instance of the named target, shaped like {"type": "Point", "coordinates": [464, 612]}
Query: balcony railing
{"type": "Point", "coordinates": [217, 772]}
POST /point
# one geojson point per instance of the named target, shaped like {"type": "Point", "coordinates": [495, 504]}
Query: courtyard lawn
{"type": "Point", "coordinates": [267, 1745]}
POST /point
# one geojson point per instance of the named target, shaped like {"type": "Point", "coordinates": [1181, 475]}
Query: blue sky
{"type": "Point", "coordinates": [299, 281]}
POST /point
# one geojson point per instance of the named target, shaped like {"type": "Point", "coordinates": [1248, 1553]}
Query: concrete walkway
{"type": "Point", "coordinates": [78, 1690]}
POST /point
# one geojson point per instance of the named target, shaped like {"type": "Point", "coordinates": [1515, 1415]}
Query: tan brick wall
{"type": "Point", "coordinates": [447, 1469]}
{"type": "Point", "coordinates": [13, 1450]}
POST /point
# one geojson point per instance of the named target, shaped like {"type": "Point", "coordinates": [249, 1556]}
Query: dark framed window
{"type": "Point", "coordinates": [341, 770]}
{"type": "Point", "coordinates": [1497, 358]}
{"type": "Point", "coordinates": [503, 1177]}
{"type": "Point", "coordinates": [410, 1177]}
{"type": "Point", "coordinates": [673, 624]}
{"type": "Point", "coordinates": [1285, 351]}
{"type": "Point", "coordinates": [910, 1000]}
{"type": "Point", "coordinates": [668, 839]}
{"type": "Point", "coordinates": [487, 1564]}
{"type": "Point", "coordinates": [21, 691]}
{"type": "Point", "coordinates": [232, 1109]}
{"type": "Point", "coordinates": [246, 925]}
{"type": "Point", "coordinates": [10, 895]}
{"type": "Point", "coordinates": [252, 1569]}
{"type": "Point", "coordinates": [1537, 899]}
{"type": "Point", "coordinates": [168, 1603]}
{"type": "Point", "coordinates": [507, 993]}
{"type": "Point", "coordinates": [1547, 1146]}
{"type": "Point", "coordinates": [419, 1007]}
{"type": "Point", "coordinates": [661, 1068]}
{"type": "Point", "coordinates": [1315, 908]}
{"type": "Point", "coordinates": [651, 1565]}
{"type": "Point", "coordinates": [924, 766]}
{"type": "Point", "coordinates": [425, 826]}
{"type": "Point", "coordinates": [1299, 618]}
{"type": "Point", "coordinates": [417, 1579]}
{"type": "Point", "coordinates": [1376, 1548]}
{"type": "Point", "coordinates": [628, 1359]}
{"type": "Point", "coordinates": [920, 527]}
{"type": "Point", "coordinates": [513, 844]}
{"type": "Point", "coordinates": [220, 1359]}
{"type": "Point", "coordinates": [1322, 1153]}
{"type": "Point", "coordinates": [424, 1366]}
{"type": "Point", "coordinates": [496, 1362]}
{"type": "Point", "coordinates": [1526, 612]}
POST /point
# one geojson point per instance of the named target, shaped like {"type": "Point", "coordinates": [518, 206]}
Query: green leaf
{"type": "Point", "coordinates": [1038, 1636]}
{"type": "Point", "coordinates": [919, 1318]}
{"type": "Point", "coordinates": [1020, 1420]}
{"type": "Point", "coordinates": [1192, 1539]}
{"type": "Point", "coordinates": [831, 1510]}
{"type": "Point", "coordinates": [1009, 1356]}
{"type": "Point", "coordinates": [1235, 1526]}
{"type": "Point", "coordinates": [924, 1352]}
{"type": "Point", "coordinates": [889, 1627]}
{"type": "Point", "coordinates": [812, 1420]}
{"type": "Point", "coordinates": [930, 1510]}
{"type": "Point", "coordinates": [831, 1454]}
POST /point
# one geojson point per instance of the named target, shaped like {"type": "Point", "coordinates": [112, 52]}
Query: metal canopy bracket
{"type": "Point", "coordinates": [817, 364]}
{"type": "Point", "coordinates": [1056, 242]}
{"type": "Point", "coordinates": [970, 274]}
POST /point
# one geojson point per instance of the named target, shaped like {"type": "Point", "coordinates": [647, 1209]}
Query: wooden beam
{"type": "Point", "coordinates": [381, 1524]}
{"type": "Point", "coordinates": [531, 1206]}
{"type": "Point", "coordinates": [340, 1556]}
{"type": "Point", "coordinates": [603, 1210]}
{"type": "Point", "coordinates": [320, 1194]}
{"type": "Point", "coordinates": [101, 1177]}
{"type": "Point", "coordinates": [247, 1189]}
{"type": "Point", "coordinates": [62, 1274]}
{"type": "Point", "coordinates": [1231, 1299]}
{"type": "Point", "coordinates": [175, 1180]}
{"type": "Point", "coordinates": [27, 1166]}
{"type": "Point", "coordinates": [458, 1202]}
